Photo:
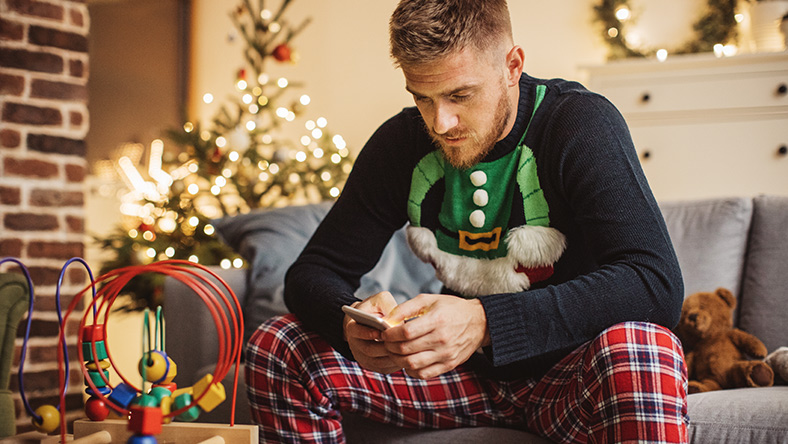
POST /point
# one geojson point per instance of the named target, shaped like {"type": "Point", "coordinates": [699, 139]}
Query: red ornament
{"type": "Point", "coordinates": [282, 53]}
{"type": "Point", "coordinates": [242, 74]}
{"type": "Point", "coordinates": [96, 409]}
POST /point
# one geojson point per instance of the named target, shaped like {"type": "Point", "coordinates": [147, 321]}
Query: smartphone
{"type": "Point", "coordinates": [364, 318]}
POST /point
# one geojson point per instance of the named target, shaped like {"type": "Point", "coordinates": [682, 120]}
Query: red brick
{"type": "Point", "coordinates": [10, 30]}
{"type": "Point", "coordinates": [45, 89]}
{"type": "Point", "coordinates": [29, 168]}
{"type": "Point", "coordinates": [56, 198]}
{"type": "Point", "coordinates": [39, 35]}
{"type": "Point", "coordinates": [10, 196]}
{"type": "Point", "coordinates": [75, 224]}
{"type": "Point", "coordinates": [55, 250]}
{"type": "Point", "coordinates": [75, 118]}
{"type": "Point", "coordinates": [31, 60]}
{"type": "Point", "coordinates": [30, 222]}
{"type": "Point", "coordinates": [39, 354]}
{"type": "Point", "coordinates": [77, 19]}
{"type": "Point", "coordinates": [10, 138]}
{"type": "Point", "coordinates": [75, 173]}
{"type": "Point", "coordinates": [11, 247]}
{"type": "Point", "coordinates": [31, 115]}
{"type": "Point", "coordinates": [11, 85]}
{"type": "Point", "coordinates": [36, 9]}
{"type": "Point", "coordinates": [54, 144]}
{"type": "Point", "coordinates": [76, 68]}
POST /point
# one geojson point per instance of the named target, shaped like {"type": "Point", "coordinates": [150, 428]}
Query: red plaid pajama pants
{"type": "Point", "coordinates": [626, 385]}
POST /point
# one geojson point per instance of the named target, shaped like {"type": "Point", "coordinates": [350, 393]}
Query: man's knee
{"type": "Point", "coordinates": [272, 335]}
{"type": "Point", "coordinates": [641, 344]}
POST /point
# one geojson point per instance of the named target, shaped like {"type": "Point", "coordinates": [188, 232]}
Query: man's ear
{"type": "Point", "coordinates": [515, 63]}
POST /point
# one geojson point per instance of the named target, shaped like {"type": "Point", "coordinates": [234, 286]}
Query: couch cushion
{"type": "Point", "coordinates": [764, 301]}
{"type": "Point", "coordinates": [271, 240]}
{"type": "Point", "coordinates": [710, 238]}
{"type": "Point", "coordinates": [754, 415]}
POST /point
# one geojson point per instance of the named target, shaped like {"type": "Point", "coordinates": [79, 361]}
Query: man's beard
{"type": "Point", "coordinates": [478, 146]}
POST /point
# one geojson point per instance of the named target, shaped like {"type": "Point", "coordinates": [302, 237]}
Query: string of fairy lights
{"type": "Point", "coordinates": [715, 31]}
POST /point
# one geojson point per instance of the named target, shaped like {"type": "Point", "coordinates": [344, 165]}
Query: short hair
{"type": "Point", "coordinates": [423, 31]}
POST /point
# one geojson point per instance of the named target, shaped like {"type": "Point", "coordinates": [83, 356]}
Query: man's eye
{"type": "Point", "coordinates": [460, 97]}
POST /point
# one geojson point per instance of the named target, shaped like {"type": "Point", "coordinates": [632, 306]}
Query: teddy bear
{"type": "Point", "coordinates": [717, 355]}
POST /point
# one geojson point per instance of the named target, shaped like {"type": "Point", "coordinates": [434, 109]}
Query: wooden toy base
{"type": "Point", "coordinates": [174, 433]}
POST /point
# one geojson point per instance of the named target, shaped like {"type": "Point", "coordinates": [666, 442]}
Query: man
{"type": "Point", "coordinates": [527, 197]}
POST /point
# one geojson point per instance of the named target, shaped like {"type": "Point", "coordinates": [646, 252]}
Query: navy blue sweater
{"type": "Point", "coordinates": [618, 265]}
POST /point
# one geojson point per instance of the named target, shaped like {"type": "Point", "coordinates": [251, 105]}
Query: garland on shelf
{"type": "Point", "coordinates": [717, 26]}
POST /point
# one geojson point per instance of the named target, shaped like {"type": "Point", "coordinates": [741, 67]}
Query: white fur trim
{"type": "Point", "coordinates": [529, 246]}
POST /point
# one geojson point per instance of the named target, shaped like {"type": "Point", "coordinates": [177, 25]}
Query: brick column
{"type": "Point", "coordinates": [43, 124]}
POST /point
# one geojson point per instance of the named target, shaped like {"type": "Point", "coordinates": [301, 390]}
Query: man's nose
{"type": "Point", "coordinates": [445, 119]}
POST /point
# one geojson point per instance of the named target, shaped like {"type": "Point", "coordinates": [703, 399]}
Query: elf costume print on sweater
{"type": "Point", "coordinates": [474, 249]}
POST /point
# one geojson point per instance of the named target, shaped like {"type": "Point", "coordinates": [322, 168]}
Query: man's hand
{"type": "Point", "coordinates": [365, 342]}
{"type": "Point", "coordinates": [447, 332]}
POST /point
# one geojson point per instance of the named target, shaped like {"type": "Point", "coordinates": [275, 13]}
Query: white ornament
{"type": "Point", "coordinates": [480, 198]}
{"type": "Point", "coordinates": [478, 178]}
{"type": "Point", "coordinates": [477, 218]}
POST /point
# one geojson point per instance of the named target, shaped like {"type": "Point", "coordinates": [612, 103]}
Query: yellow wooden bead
{"type": "Point", "coordinates": [159, 368]}
{"type": "Point", "coordinates": [50, 419]}
{"type": "Point", "coordinates": [95, 365]}
{"type": "Point", "coordinates": [166, 408]}
{"type": "Point", "coordinates": [215, 393]}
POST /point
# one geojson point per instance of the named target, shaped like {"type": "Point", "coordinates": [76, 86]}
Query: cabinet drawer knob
{"type": "Point", "coordinates": [647, 96]}
{"type": "Point", "coordinates": [783, 150]}
{"type": "Point", "coordinates": [782, 89]}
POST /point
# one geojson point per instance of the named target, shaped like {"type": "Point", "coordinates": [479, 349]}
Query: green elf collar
{"type": "Point", "coordinates": [474, 250]}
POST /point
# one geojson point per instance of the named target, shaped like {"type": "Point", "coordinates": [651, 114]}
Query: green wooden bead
{"type": "Point", "coordinates": [159, 393]}
{"type": "Point", "coordinates": [101, 351]}
{"type": "Point", "coordinates": [182, 401]}
{"type": "Point", "coordinates": [96, 378]}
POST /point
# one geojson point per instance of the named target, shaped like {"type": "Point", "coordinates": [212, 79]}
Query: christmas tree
{"type": "Point", "coordinates": [240, 161]}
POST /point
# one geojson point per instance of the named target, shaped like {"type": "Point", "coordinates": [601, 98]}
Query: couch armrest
{"type": "Point", "coordinates": [191, 337]}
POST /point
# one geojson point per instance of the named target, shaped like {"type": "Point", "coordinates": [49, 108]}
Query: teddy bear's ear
{"type": "Point", "coordinates": [726, 296]}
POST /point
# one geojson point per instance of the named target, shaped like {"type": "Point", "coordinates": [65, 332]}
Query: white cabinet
{"type": "Point", "coordinates": [705, 126]}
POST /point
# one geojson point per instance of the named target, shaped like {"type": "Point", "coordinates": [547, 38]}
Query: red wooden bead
{"type": "Point", "coordinates": [96, 409]}
{"type": "Point", "coordinates": [145, 420]}
{"type": "Point", "coordinates": [93, 333]}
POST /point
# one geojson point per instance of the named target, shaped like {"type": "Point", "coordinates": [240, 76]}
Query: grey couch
{"type": "Point", "coordinates": [738, 243]}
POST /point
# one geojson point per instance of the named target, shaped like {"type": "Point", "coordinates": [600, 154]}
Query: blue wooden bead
{"type": "Point", "coordinates": [122, 395]}
{"type": "Point", "coordinates": [142, 439]}
{"type": "Point", "coordinates": [103, 390]}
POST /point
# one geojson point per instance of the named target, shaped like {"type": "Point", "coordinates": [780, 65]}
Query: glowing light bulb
{"type": "Point", "coordinates": [238, 262]}
{"type": "Point", "coordinates": [318, 153]}
{"type": "Point", "coordinates": [305, 140]}
{"type": "Point", "coordinates": [333, 192]}
{"type": "Point", "coordinates": [623, 13]}
{"type": "Point", "coordinates": [322, 122]}
{"type": "Point", "coordinates": [194, 221]}
{"type": "Point", "coordinates": [193, 258]}
{"type": "Point", "coordinates": [310, 125]}
{"type": "Point", "coordinates": [612, 33]}
{"type": "Point", "coordinates": [305, 100]}
{"type": "Point", "coordinates": [151, 253]}
{"type": "Point", "coordinates": [225, 264]}
{"type": "Point", "coordinates": [188, 127]}
{"type": "Point", "coordinates": [209, 229]}
{"type": "Point", "coordinates": [662, 55]}
{"type": "Point", "coordinates": [207, 98]}
{"type": "Point", "coordinates": [241, 84]}
{"type": "Point", "coordinates": [233, 156]}
{"type": "Point", "coordinates": [169, 252]}
{"type": "Point", "coordinates": [251, 125]}
{"type": "Point", "coordinates": [317, 133]}
{"type": "Point", "coordinates": [282, 82]}
{"type": "Point", "coordinates": [193, 189]}
{"type": "Point", "coordinates": [300, 156]}
{"type": "Point", "coordinates": [221, 142]}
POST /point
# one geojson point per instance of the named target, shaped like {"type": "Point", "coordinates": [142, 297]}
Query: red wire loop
{"type": "Point", "coordinates": [226, 314]}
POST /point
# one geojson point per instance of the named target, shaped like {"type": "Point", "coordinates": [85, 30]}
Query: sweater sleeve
{"type": "Point", "coordinates": [595, 176]}
{"type": "Point", "coordinates": [351, 238]}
